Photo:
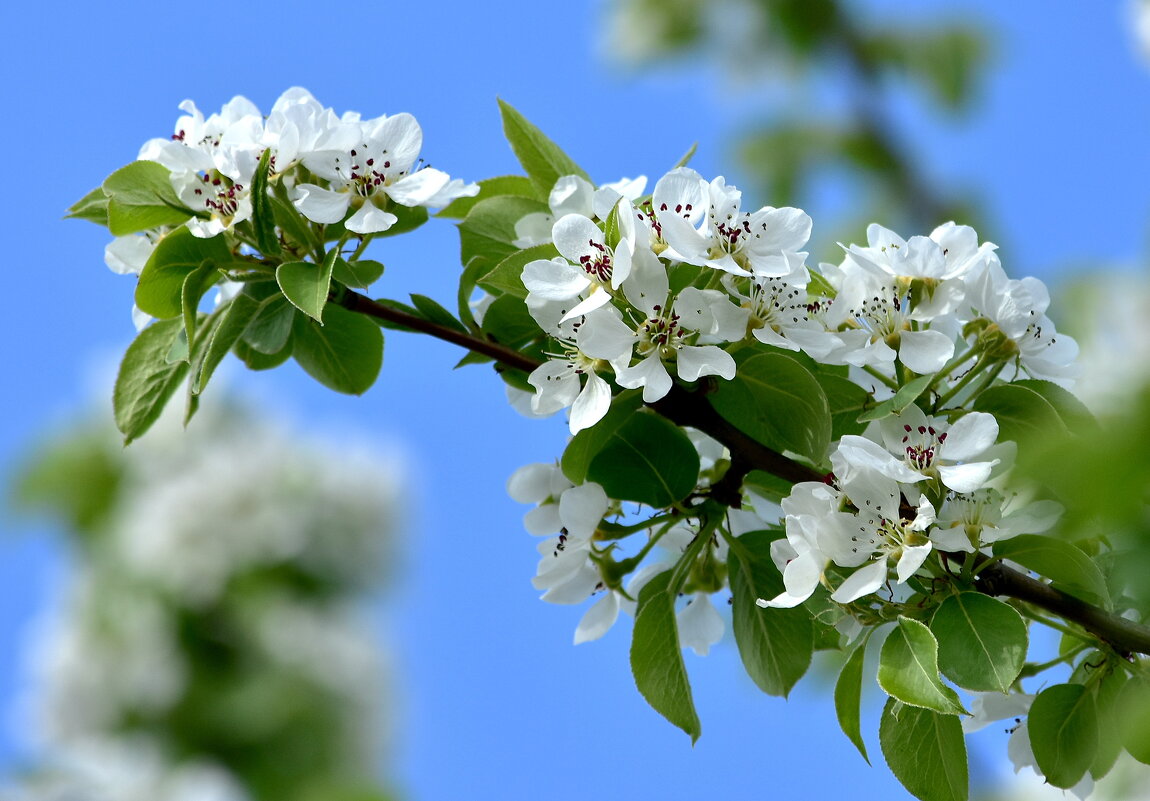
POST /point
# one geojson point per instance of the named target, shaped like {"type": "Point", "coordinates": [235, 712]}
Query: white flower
{"type": "Point", "coordinates": [1018, 308]}
{"type": "Point", "coordinates": [876, 305]}
{"type": "Point", "coordinates": [575, 195]}
{"type": "Point", "coordinates": [586, 345]}
{"type": "Point", "coordinates": [367, 163]}
{"type": "Point", "coordinates": [671, 329]}
{"type": "Point", "coordinates": [730, 240]}
{"type": "Point", "coordinates": [918, 447]}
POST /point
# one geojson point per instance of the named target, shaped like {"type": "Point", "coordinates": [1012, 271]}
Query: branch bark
{"type": "Point", "coordinates": [690, 408]}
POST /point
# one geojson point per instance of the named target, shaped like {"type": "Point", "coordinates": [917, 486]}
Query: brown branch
{"type": "Point", "coordinates": [685, 407]}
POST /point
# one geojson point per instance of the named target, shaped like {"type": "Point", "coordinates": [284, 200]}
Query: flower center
{"type": "Point", "coordinates": [597, 263]}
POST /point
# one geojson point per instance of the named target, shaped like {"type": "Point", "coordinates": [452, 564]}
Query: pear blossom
{"type": "Point", "coordinates": [880, 531]}
{"type": "Point", "coordinates": [586, 346]}
{"type": "Point", "coordinates": [1018, 310]}
{"type": "Point", "coordinates": [586, 264]}
{"type": "Point", "coordinates": [968, 522]}
{"type": "Point", "coordinates": [671, 329]}
{"type": "Point", "coordinates": [782, 314]}
{"type": "Point", "coordinates": [703, 225]}
{"type": "Point", "coordinates": [573, 194]}
{"type": "Point", "coordinates": [367, 164]}
{"type": "Point", "coordinates": [919, 447]}
{"type": "Point", "coordinates": [871, 302]}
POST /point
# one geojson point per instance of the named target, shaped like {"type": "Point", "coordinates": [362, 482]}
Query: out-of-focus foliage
{"type": "Point", "coordinates": [210, 644]}
{"type": "Point", "coordinates": [820, 81]}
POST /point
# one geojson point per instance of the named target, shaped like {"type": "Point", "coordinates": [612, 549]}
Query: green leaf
{"type": "Point", "coordinates": [307, 285]}
{"type": "Point", "coordinates": [1022, 413]}
{"type": "Point", "coordinates": [587, 444]}
{"type": "Point", "coordinates": [358, 274]}
{"type": "Point", "coordinates": [507, 276]}
{"type": "Point", "coordinates": [1063, 728]}
{"type": "Point", "coordinates": [492, 187]}
{"type": "Point", "coordinates": [160, 291]}
{"type": "Point", "coordinates": [269, 330]}
{"type": "Point", "coordinates": [255, 360]}
{"type": "Point", "coordinates": [147, 379]}
{"type": "Point", "coordinates": [295, 227]}
{"type": "Point", "coordinates": [647, 459]}
{"type": "Point", "coordinates": [846, 401]}
{"type": "Point", "coordinates": [981, 642]}
{"type": "Point", "coordinates": [508, 322]}
{"type": "Point", "coordinates": [1073, 412]}
{"type": "Point", "coordinates": [1107, 696]}
{"type": "Point", "coordinates": [775, 644]}
{"type": "Point", "coordinates": [906, 395]}
{"type": "Point", "coordinates": [776, 400]}
{"type": "Point", "coordinates": [431, 310]}
{"type": "Point", "coordinates": [925, 751]}
{"type": "Point", "coordinates": [1059, 561]}
{"type": "Point", "coordinates": [235, 318]}
{"type": "Point", "coordinates": [344, 354]}
{"type": "Point", "coordinates": [197, 353]}
{"type": "Point", "coordinates": [1134, 718]}
{"type": "Point", "coordinates": [196, 283]}
{"type": "Point", "coordinates": [542, 160]}
{"type": "Point", "coordinates": [92, 206]}
{"type": "Point", "coordinates": [908, 669]}
{"type": "Point", "coordinates": [685, 159]}
{"type": "Point", "coordinates": [657, 659]}
{"type": "Point", "coordinates": [140, 197]}
{"type": "Point", "coordinates": [848, 696]}
{"type": "Point", "coordinates": [263, 213]}
{"type": "Point", "coordinates": [487, 233]}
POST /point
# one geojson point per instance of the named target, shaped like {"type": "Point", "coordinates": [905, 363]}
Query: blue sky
{"type": "Point", "coordinates": [491, 698]}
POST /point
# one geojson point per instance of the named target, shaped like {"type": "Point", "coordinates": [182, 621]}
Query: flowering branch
{"type": "Point", "coordinates": [685, 407]}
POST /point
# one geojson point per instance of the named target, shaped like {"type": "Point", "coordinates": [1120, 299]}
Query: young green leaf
{"type": "Point", "coordinates": [587, 444]}
{"type": "Point", "coordinates": [775, 644]}
{"type": "Point", "coordinates": [906, 395]}
{"type": "Point", "coordinates": [981, 642]}
{"type": "Point", "coordinates": [776, 400]}
{"type": "Point", "coordinates": [657, 659]}
{"type": "Point", "coordinates": [358, 274]}
{"type": "Point", "coordinates": [1022, 413]}
{"type": "Point", "coordinates": [648, 459]}
{"type": "Point", "coordinates": [235, 318]}
{"type": "Point", "coordinates": [92, 207]}
{"type": "Point", "coordinates": [307, 285]}
{"type": "Point", "coordinates": [431, 310]}
{"type": "Point", "coordinates": [196, 283]}
{"type": "Point", "coordinates": [1134, 718]}
{"type": "Point", "coordinates": [263, 214]}
{"type": "Point", "coordinates": [270, 328]}
{"type": "Point", "coordinates": [344, 354]}
{"type": "Point", "coordinates": [147, 379]}
{"type": "Point", "coordinates": [542, 160]}
{"type": "Point", "coordinates": [848, 695]}
{"type": "Point", "coordinates": [160, 290]}
{"type": "Point", "coordinates": [908, 669]}
{"type": "Point", "coordinates": [507, 276]}
{"type": "Point", "coordinates": [487, 234]}
{"type": "Point", "coordinates": [925, 751]}
{"type": "Point", "coordinates": [1063, 727]}
{"type": "Point", "coordinates": [140, 196]}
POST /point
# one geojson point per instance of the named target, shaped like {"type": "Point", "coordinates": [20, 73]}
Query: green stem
{"type": "Point", "coordinates": [953, 363]}
{"type": "Point", "coordinates": [890, 382]}
{"type": "Point", "coordinates": [979, 366]}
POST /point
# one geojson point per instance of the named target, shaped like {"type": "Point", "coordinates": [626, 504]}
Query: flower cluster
{"type": "Point", "coordinates": [647, 290]}
{"type": "Point", "coordinates": [331, 168]}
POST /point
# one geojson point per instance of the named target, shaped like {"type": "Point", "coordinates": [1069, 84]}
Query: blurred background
{"type": "Point", "coordinates": [319, 597]}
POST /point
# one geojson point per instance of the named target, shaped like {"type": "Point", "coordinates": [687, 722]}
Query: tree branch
{"type": "Point", "coordinates": [686, 407]}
